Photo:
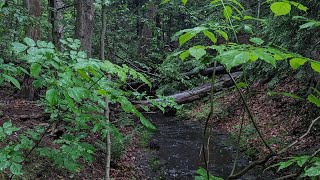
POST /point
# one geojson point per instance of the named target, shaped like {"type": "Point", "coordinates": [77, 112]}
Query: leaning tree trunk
{"type": "Point", "coordinates": [84, 24]}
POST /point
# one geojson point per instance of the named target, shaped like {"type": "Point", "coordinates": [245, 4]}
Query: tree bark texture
{"type": "Point", "coordinates": [56, 18]}
{"type": "Point", "coordinates": [146, 33]}
{"type": "Point", "coordinates": [84, 24]}
{"type": "Point", "coordinates": [35, 10]}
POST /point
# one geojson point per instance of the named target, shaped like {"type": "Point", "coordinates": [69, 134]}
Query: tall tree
{"type": "Point", "coordinates": [84, 24]}
{"type": "Point", "coordinates": [56, 18]}
{"type": "Point", "coordinates": [34, 32]}
{"type": "Point", "coordinates": [146, 34]}
{"type": "Point", "coordinates": [35, 10]}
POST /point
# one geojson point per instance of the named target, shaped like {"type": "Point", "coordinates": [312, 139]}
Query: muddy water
{"type": "Point", "coordinates": [180, 144]}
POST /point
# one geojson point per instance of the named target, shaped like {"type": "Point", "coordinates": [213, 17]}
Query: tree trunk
{"type": "Point", "coordinates": [56, 18]}
{"type": "Point", "coordinates": [146, 34]}
{"type": "Point", "coordinates": [34, 32]}
{"type": "Point", "coordinates": [84, 24]}
{"type": "Point", "coordinates": [34, 9]}
{"type": "Point", "coordinates": [107, 109]}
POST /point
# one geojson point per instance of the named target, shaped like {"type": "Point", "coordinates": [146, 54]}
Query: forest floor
{"type": "Point", "coordinates": [134, 164]}
{"type": "Point", "coordinates": [281, 119]}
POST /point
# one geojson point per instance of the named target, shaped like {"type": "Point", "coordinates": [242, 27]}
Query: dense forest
{"type": "Point", "coordinates": [159, 89]}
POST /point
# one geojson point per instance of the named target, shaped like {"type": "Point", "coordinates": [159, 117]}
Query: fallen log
{"type": "Point", "coordinates": [208, 71]}
{"type": "Point", "coordinates": [196, 93]}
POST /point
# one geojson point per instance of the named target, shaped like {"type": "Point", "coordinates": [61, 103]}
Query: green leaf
{"type": "Point", "coordinates": [247, 29]}
{"type": "Point", "coordinates": [312, 172]}
{"type": "Point", "coordinates": [16, 169]}
{"type": "Point", "coordinates": [284, 94]}
{"type": "Point", "coordinates": [184, 55]}
{"type": "Point", "coordinates": [312, 98]}
{"type": "Point", "coordinates": [299, 6]}
{"type": "Point", "coordinates": [223, 34]}
{"type": "Point", "coordinates": [35, 69]}
{"type": "Point", "coordinates": [233, 58]}
{"type": "Point", "coordinates": [210, 35]}
{"type": "Point", "coordinates": [315, 66]}
{"type": "Point", "coordinates": [280, 8]}
{"type": "Point", "coordinates": [52, 96]}
{"type": "Point", "coordinates": [17, 158]}
{"type": "Point", "coordinates": [18, 47]}
{"type": "Point", "coordinates": [265, 56]}
{"type": "Point", "coordinates": [30, 42]}
{"type": "Point", "coordinates": [227, 12]}
{"type": "Point", "coordinates": [295, 63]}
{"type": "Point", "coordinates": [284, 165]}
{"type": "Point", "coordinates": [307, 25]}
{"type": "Point", "coordinates": [197, 52]}
{"type": "Point", "coordinates": [77, 93]}
{"type": "Point", "coordinates": [256, 40]}
{"type": "Point", "coordinates": [12, 80]}
{"type": "Point", "coordinates": [241, 85]}
{"type": "Point", "coordinates": [185, 38]}
{"type": "Point", "coordinates": [184, 2]}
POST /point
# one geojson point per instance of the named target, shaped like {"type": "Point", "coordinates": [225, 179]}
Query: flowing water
{"type": "Point", "coordinates": [180, 144]}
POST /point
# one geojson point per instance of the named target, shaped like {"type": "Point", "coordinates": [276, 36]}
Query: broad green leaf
{"type": "Point", "coordinates": [227, 12]}
{"type": "Point", "coordinates": [284, 165]}
{"type": "Point", "coordinates": [280, 8]}
{"type": "Point", "coordinates": [247, 29]}
{"type": "Point", "coordinates": [265, 56]}
{"type": "Point", "coordinates": [18, 47]}
{"type": "Point", "coordinates": [77, 93]}
{"type": "Point", "coordinates": [12, 80]}
{"type": "Point", "coordinates": [184, 2]}
{"type": "Point", "coordinates": [233, 58]}
{"type": "Point", "coordinates": [197, 52]}
{"type": "Point", "coordinates": [210, 35]}
{"type": "Point", "coordinates": [35, 69]}
{"type": "Point", "coordinates": [52, 96]}
{"type": "Point", "coordinates": [185, 38]}
{"type": "Point", "coordinates": [184, 55]}
{"type": "Point", "coordinates": [30, 42]}
{"type": "Point", "coordinates": [312, 172]}
{"type": "Point", "coordinates": [146, 123]}
{"type": "Point", "coordinates": [83, 74]}
{"type": "Point", "coordinates": [307, 25]}
{"type": "Point", "coordinates": [256, 40]}
{"type": "Point", "coordinates": [299, 6]}
{"type": "Point", "coordinates": [312, 98]}
{"type": "Point", "coordinates": [241, 85]}
{"type": "Point", "coordinates": [42, 44]}
{"type": "Point", "coordinates": [223, 34]}
{"type": "Point", "coordinates": [295, 63]}
{"type": "Point", "coordinates": [16, 169]}
{"type": "Point", "coordinates": [315, 66]}
{"type": "Point", "coordinates": [7, 124]}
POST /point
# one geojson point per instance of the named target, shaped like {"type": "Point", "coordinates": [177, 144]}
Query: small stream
{"type": "Point", "coordinates": [180, 144]}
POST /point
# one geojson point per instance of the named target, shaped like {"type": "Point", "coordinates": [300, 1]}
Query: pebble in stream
{"type": "Point", "coordinates": [180, 145]}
